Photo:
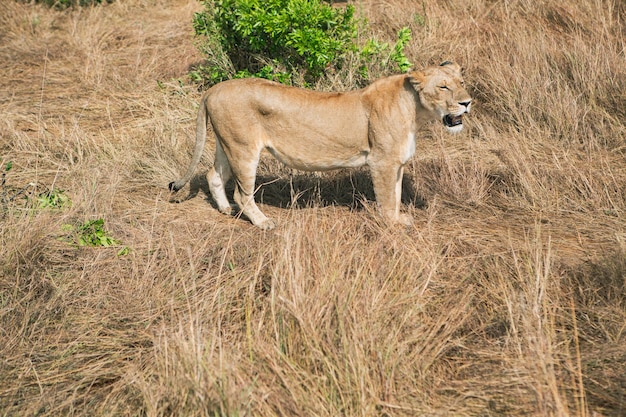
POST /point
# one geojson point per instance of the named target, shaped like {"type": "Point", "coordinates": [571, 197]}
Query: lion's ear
{"type": "Point", "coordinates": [416, 78]}
{"type": "Point", "coordinates": [454, 65]}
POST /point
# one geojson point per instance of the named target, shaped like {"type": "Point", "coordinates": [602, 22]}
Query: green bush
{"type": "Point", "coordinates": [290, 41]}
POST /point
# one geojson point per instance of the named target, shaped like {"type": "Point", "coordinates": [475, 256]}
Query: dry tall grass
{"type": "Point", "coordinates": [507, 297]}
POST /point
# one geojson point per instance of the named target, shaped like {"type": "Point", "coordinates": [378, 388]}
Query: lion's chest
{"type": "Point", "coordinates": [409, 147]}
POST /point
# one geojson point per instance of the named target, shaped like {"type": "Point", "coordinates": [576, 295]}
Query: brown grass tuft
{"type": "Point", "coordinates": [507, 297]}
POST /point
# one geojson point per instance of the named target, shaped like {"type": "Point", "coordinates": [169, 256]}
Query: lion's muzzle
{"type": "Point", "coordinates": [454, 122]}
{"type": "Point", "coordinates": [451, 121]}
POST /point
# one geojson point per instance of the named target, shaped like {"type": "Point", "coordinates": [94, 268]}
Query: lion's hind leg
{"type": "Point", "coordinates": [218, 176]}
{"type": "Point", "coordinates": [244, 172]}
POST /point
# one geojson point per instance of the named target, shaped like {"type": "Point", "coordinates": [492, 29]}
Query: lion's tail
{"type": "Point", "coordinates": [201, 128]}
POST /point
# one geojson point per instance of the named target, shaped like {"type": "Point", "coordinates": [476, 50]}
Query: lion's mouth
{"type": "Point", "coordinates": [451, 121]}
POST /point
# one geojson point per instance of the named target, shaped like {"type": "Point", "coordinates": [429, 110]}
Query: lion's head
{"type": "Point", "coordinates": [442, 91]}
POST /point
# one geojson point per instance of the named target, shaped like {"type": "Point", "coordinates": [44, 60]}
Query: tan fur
{"type": "Point", "coordinates": [315, 131]}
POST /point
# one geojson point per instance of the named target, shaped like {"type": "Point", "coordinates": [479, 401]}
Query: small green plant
{"type": "Point", "coordinates": [290, 41]}
{"type": "Point", "coordinates": [53, 199]}
{"type": "Point", "coordinates": [49, 199]}
{"type": "Point", "coordinates": [6, 169]}
{"type": "Point", "coordinates": [92, 234]}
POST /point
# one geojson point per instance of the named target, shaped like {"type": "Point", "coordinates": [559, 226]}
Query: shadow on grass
{"type": "Point", "coordinates": [599, 290]}
{"type": "Point", "coordinates": [349, 188]}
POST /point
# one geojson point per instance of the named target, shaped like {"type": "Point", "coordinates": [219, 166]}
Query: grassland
{"type": "Point", "coordinates": [507, 296]}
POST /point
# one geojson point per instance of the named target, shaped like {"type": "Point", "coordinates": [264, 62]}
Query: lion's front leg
{"type": "Point", "coordinates": [388, 189]}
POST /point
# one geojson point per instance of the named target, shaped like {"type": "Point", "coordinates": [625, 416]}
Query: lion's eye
{"type": "Point", "coordinates": [444, 87]}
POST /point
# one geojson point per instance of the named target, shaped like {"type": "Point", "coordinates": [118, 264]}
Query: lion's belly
{"type": "Point", "coordinates": [329, 161]}
{"type": "Point", "coordinates": [318, 140]}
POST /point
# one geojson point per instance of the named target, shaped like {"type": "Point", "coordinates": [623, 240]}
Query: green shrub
{"type": "Point", "coordinates": [290, 41]}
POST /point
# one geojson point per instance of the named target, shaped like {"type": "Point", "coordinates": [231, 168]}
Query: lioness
{"type": "Point", "coordinates": [318, 131]}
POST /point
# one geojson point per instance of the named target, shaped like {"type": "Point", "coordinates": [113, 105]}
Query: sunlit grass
{"type": "Point", "coordinates": [507, 296]}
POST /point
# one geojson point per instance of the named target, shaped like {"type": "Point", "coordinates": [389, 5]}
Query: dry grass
{"type": "Point", "coordinates": [507, 297]}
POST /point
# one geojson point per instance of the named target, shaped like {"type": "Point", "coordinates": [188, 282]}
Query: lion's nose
{"type": "Point", "coordinates": [466, 104]}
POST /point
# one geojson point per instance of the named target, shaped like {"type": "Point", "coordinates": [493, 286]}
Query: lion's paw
{"type": "Point", "coordinates": [229, 210]}
{"type": "Point", "coordinates": [267, 224]}
{"type": "Point", "coordinates": [405, 219]}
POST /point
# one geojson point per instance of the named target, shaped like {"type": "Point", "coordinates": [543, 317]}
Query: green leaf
{"type": "Point", "coordinates": [53, 199]}
{"type": "Point", "coordinates": [397, 56]}
{"type": "Point", "coordinates": [91, 233]}
{"type": "Point", "coordinates": [125, 250]}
